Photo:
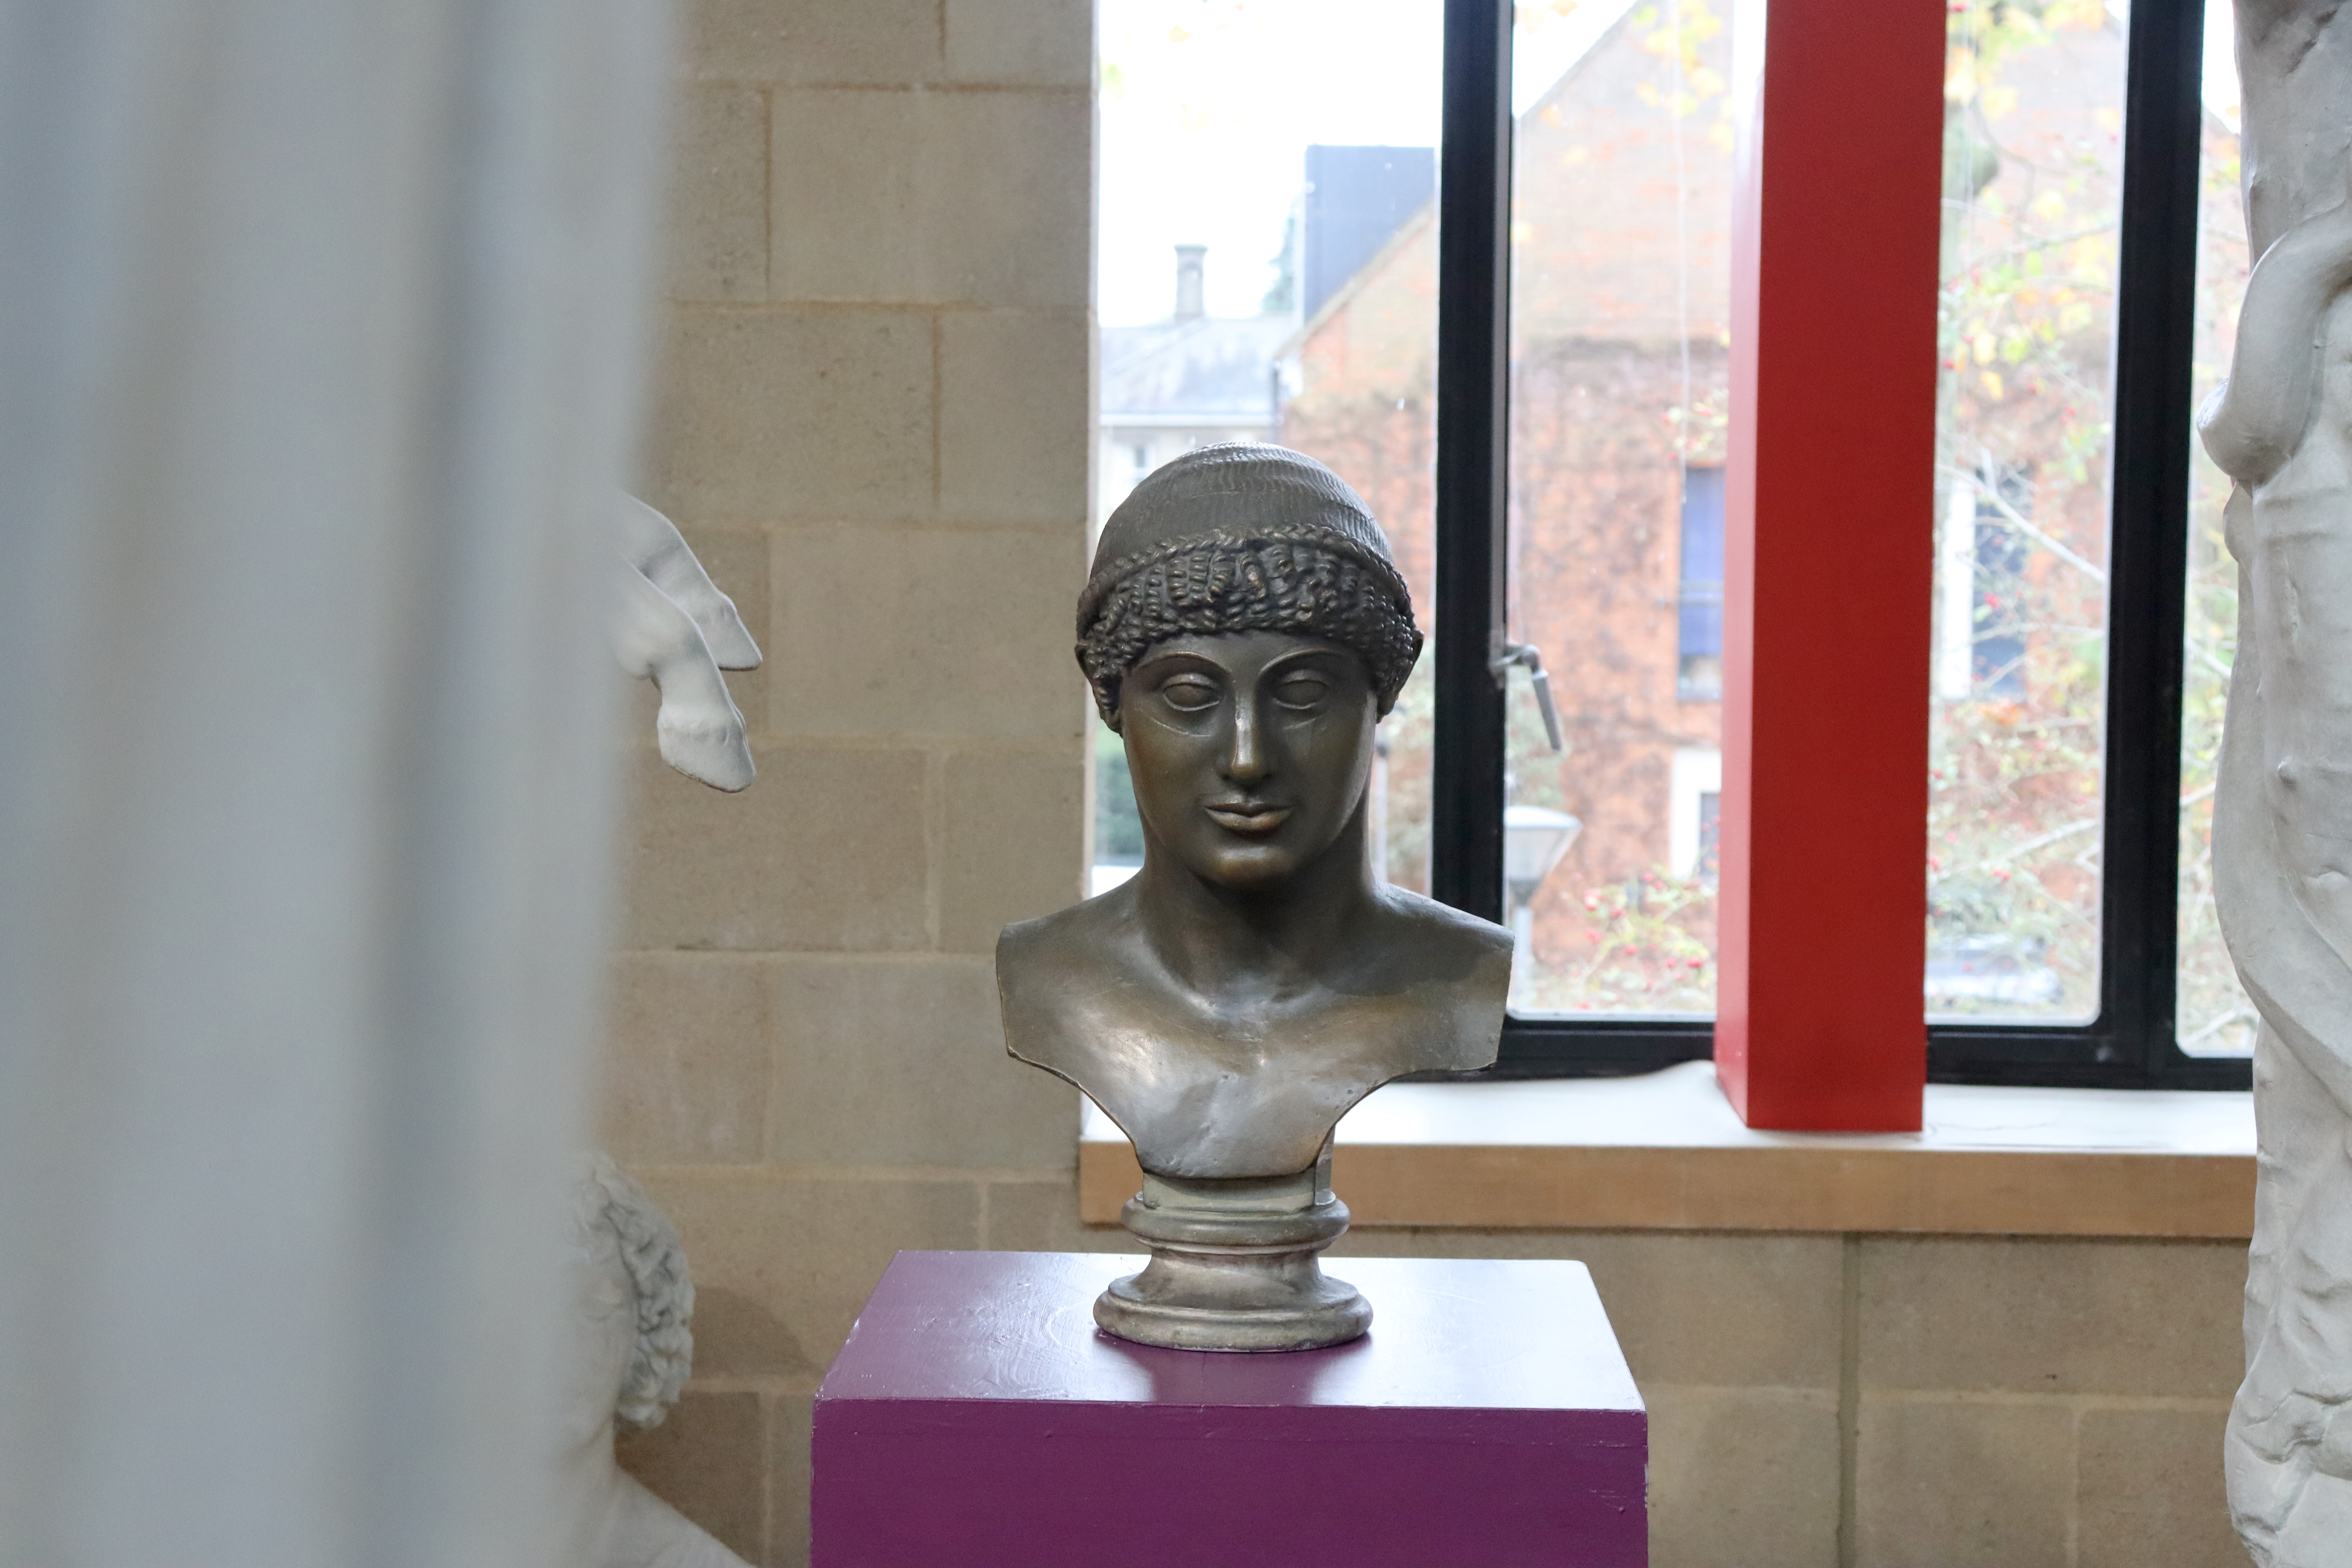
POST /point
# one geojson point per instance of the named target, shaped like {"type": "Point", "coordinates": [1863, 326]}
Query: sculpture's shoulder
{"type": "Point", "coordinates": [1449, 931]}
{"type": "Point", "coordinates": [1051, 950]}
{"type": "Point", "coordinates": [648, 1532]}
{"type": "Point", "coordinates": [1049, 973]}
{"type": "Point", "coordinates": [1433, 944]}
{"type": "Point", "coordinates": [701, 1551]}
{"type": "Point", "coordinates": [1454, 968]}
{"type": "Point", "coordinates": [1021, 946]}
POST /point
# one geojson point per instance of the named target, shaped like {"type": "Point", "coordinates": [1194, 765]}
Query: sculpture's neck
{"type": "Point", "coordinates": [1263, 943]}
{"type": "Point", "coordinates": [588, 1497]}
{"type": "Point", "coordinates": [1289, 1193]}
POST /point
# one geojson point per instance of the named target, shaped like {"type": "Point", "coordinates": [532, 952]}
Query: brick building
{"type": "Point", "coordinates": [1620, 314]}
{"type": "Point", "coordinates": [1621, 317]}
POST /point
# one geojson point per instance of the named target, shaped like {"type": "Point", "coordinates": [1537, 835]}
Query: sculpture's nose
{"type": "Point", "coordinates": [1245, 761]}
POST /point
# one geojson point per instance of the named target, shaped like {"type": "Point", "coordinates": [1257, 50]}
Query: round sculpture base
{"type": "Point", "coordinates": [1235, 1267]}
{"type": "Point", "coordinates": [1311, 1312]}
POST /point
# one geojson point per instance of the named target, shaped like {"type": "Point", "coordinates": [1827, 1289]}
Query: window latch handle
{"type": "Point", "coordinates": [1527, 657]}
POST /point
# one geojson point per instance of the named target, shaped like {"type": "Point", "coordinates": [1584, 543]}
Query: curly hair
{"type": "Point", "coordinates": [1265, 580]}
{"type": "Point", "coordinates": [613, 1212]}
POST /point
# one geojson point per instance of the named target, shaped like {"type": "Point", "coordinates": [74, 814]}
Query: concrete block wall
{"type": "Point", "coordinates": [1837, 1401]}
{"type": "Point", "coordinates": [872, 422]}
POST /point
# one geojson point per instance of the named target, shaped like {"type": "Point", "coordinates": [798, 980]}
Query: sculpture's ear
{"type": "Point", "coordinates": [1110, 719]}
{"type": "Point", "coordinates": [1113, 718]}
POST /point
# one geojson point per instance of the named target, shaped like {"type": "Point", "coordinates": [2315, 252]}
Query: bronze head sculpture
{"type": "Point", "coordinates": [1244, 629]}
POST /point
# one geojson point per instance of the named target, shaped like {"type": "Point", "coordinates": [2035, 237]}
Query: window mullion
{"type": "Point", "coordinates": [1472, 412]}
{"type": "Point", "coordinates": [2155, 325]}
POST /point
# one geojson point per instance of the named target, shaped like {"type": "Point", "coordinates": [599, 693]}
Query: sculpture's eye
{"type": "Point", "coordinates": [1189, 693]}
{"type": "Point", "coordinates": [1302, 690]}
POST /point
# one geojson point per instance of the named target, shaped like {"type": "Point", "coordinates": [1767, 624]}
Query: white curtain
{"type": "Point", "coordinates": [319, 334]}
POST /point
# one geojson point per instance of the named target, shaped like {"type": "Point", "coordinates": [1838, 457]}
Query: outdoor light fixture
{"type": "Point", "coordinates": [1534, 839]}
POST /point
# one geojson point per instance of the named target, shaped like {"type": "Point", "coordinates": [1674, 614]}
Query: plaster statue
{"type": "Point", "coordinates": [679, 631]}
{"type": "Point", "coordinates": [631, 1347]}
{"type": "Point", "coordinates": [1244, 630]}
{"type": "Point", "coordinates": [2282, 427]}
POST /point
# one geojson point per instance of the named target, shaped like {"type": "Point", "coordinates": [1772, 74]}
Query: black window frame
{"type": "Point", "coordinates": [2130, 1044]}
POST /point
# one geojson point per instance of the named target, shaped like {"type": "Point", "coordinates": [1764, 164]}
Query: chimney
{"type": "Point", "coordinates": [1188, 281]}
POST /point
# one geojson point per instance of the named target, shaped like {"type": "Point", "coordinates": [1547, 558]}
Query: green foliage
{"type": "Point", "coordinates": [1118, 827]}
{"type": "Point", "coordinates": [1647, 945]}
{"type": "Point", "coordinates": [1675, 32]}
{"type": "Point", "coordinates": [2025, 333]}
{"type": "Point", "coordinates": [1406, 738]}
{"type": "Point", "coordinates": [1643, 945]}
{"type": "Point", "coordinates": [2214, 1013]}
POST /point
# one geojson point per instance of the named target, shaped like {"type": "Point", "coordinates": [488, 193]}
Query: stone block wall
{"type": "Point", "coordinates": [872, 422]}
{"type": "Point", "coordinates": [1835, 1401]}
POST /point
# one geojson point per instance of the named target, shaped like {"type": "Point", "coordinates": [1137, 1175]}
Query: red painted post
{"type": "Point", "coordinates": [1829, 560]}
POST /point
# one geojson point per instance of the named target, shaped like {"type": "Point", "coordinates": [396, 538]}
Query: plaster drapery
{"type": "Point", "coordinates": [2282, 427]}
{"type": "Point", "coordinates": [318, 324]}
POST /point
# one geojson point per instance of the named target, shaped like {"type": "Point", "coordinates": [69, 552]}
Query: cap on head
{"type": "Point", "coordinates": [1242, 537]}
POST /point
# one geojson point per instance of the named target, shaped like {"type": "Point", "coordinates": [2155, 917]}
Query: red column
{"type": "Point", "coordinates": [1829, 559]}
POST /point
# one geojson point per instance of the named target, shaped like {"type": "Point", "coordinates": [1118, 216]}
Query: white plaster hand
{"type": "Point", "coordinates": [655, 547]}
{"type": "Point", "coordinates": [675, 628]}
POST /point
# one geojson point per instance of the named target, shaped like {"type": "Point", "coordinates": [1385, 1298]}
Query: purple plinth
{"type": "Point", "coordinates": [978, 1419]}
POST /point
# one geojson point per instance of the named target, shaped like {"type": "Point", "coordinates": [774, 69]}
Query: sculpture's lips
{"type": "Point", "coordinates": [1248, 817]}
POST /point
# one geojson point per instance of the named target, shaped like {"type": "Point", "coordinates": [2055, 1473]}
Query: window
{"type": "Point", "coordinates": [2083, 963]}
{"type": "Point", "coordinates": [1488, 283]}
{"type": "Point", "coordinates": [1618, 388]}
{"type": "Point", "coordinates": [2033, 195]}
{"type": "Point", "coordinates": [1984, 583]}
{"type": "Point", "coordinates": [1697, 796]}
{"type": "Point", "coordinates": [1710, 831]}
{"type": "Point", "coordinates": [2215, 1017]}
{"type": "Point", "coordinates": [2063, 443]}
{"type": "Point", "coordinates": [1698, 630]}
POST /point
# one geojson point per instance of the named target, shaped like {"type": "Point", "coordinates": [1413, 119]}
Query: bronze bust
{"type": "Point", "coordinates": [1244, 629]}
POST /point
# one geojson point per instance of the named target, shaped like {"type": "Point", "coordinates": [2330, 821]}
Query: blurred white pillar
{"type": "Point", "coordinates": [318, 335]}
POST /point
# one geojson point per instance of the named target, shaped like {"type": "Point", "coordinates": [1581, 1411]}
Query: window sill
{"type": "Point", "coordinates": [1665, 1152]}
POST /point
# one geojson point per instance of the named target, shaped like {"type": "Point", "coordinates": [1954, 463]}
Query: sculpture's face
{"type": "Point", "coordinates": [1250, 750]}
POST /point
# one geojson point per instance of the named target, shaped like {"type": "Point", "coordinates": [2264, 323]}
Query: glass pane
{"type": "Point", "coordinates": [2033, 164]}
{"type": "Point", "coordinates": [2215, 1017]}
{"type": "Point", "coordinates": [1267, 270]}
{"type": "Point", "coordinates": [1620, 330]}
